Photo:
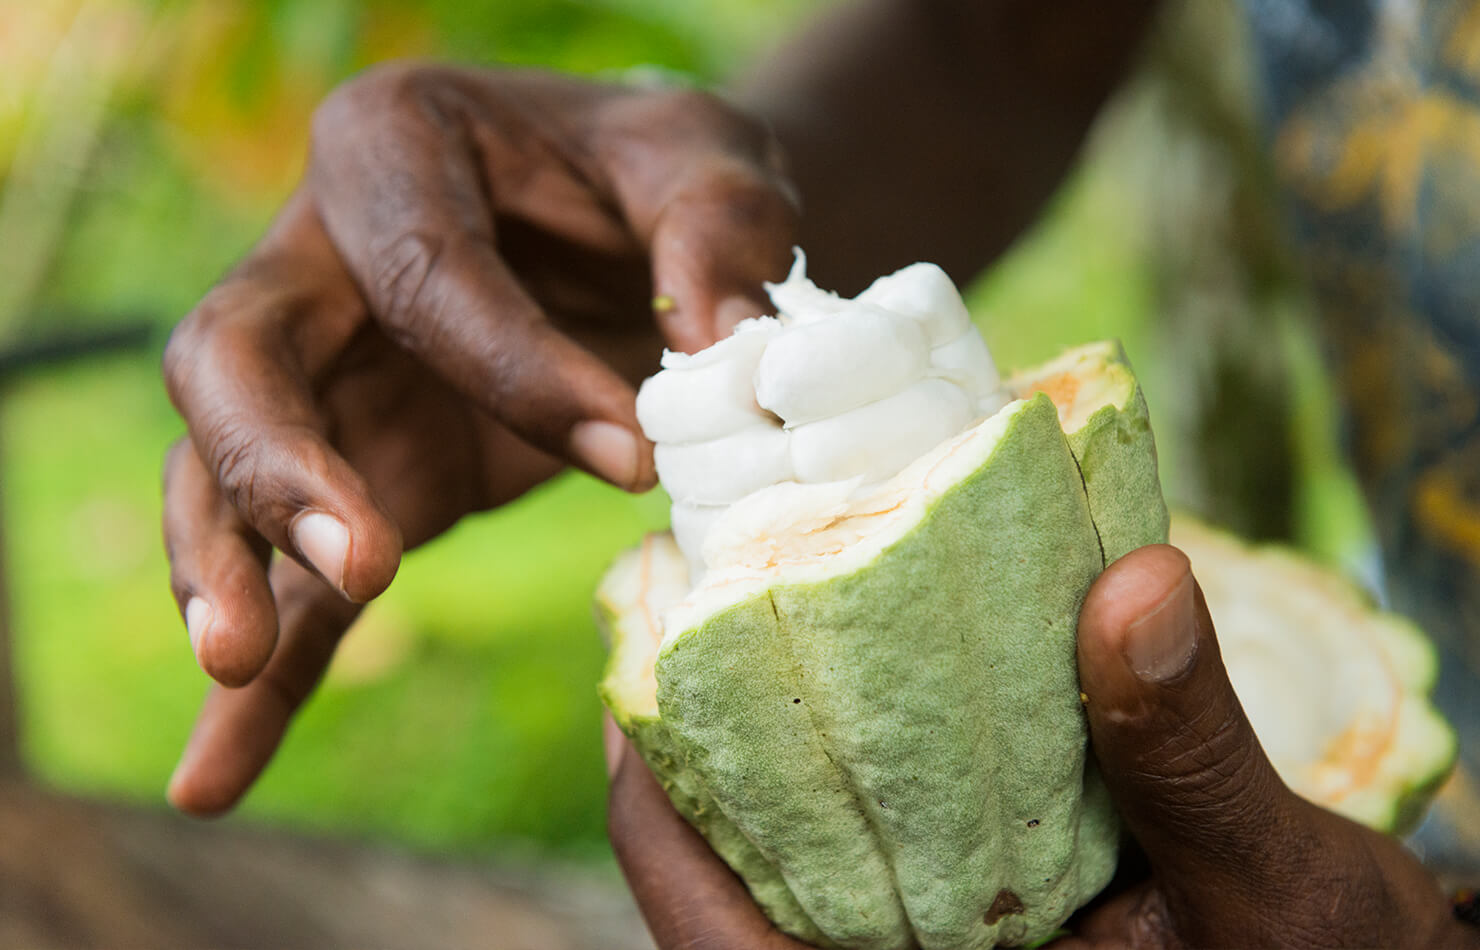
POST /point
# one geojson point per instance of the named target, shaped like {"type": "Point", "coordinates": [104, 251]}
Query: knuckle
{"type": "Point", "coordinates": [727, 124]}
{"type": "Point", "coordinates": [383, 88]}
{"type": "Point", "coordinates": [235, 461]}
{"type": "Point", "coordinates": [402, 269]}
{"type": "Point", "coordinates": [209, 334]}
{"type": "Point", "coordinates": [691, 116]}
{"type": "Point", "coordinates": [1150, 923]}
{"type": "Point", "coordinates": [694, 103]}
{"type": "Point", "coordinates": [180, 354]}
{"type": "Point", "coordinates": [1216, 771]}
{"type": "Point", "coordinates": [356, 96]}
{"type": "Point", "coordinates": [266, 473]}
{"type": "Point", "coordinates": [1214, 735]}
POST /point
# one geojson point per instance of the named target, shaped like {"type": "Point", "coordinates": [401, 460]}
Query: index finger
{"type": "Point", "coordinates": [240, 369]}
{"type": "Point", "coordinates": [424, 254]}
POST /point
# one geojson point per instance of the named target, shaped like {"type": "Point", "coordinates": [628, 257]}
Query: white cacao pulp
{"type": "Point", "coordinates": [830, 390]}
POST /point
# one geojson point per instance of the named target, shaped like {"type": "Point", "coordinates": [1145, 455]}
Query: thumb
{"type": "Point", "coordinates": [1194, 787]}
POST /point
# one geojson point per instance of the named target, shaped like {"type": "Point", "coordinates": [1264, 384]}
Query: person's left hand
{"type": "Point", "coordinates": [1236, 858]}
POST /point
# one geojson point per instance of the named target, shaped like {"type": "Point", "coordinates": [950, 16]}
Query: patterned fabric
{"type": "Point", "coordinates": [1373, 111]}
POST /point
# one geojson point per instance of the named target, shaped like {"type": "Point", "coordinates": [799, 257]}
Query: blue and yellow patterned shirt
{"type": "Point", "coordinates": [1373, 108]}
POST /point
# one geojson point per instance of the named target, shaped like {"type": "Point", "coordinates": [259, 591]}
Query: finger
{"type": "Point", "coordinates": [704, 189]}
{"type": "Point", "coordinates": [424, 254]}
{"type": "Point", "coordinates": [687, 895]}
{"type": "Point", "coordinates": [717, 239]}
{"type": "Point", "coordinates": [1221, 831]}
{"type": "Point", "coordinates": [613, 743]}
{"type": "Point", "coordinates": [236, 369]}
{"type": "Point", "coordinates": [218, 572]}
{"type": "Point", "coordinates": [238, 730]}
{"type": "Point", "coordinates": [1135, 918]}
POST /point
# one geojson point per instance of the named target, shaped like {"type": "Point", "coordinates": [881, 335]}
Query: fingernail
{"type": "Point", "coordinates": [197, 622]}
{"type": "Point", "coordinates": [609, 449]}
{"type": "Point", "coordinates": [324, 540]}
{"type": "Point", "coordinates": [1161, 643]}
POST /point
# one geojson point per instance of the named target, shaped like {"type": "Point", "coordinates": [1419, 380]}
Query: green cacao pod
{"type": "Point", "coordinates": [864, 697]}
{"type": "Point", "coordinates": [876, 719]}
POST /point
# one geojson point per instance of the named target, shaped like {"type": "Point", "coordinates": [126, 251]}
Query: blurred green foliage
{"type": "Point", "coordinates": [461, 713]}
{"type": "Point", "coordinates": [463, 709]}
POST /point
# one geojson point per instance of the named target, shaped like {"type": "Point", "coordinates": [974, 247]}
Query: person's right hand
{"type": "Point", "coordinates": [455, 304]}
{"type": "Point", "coordinates": [1236, 858]}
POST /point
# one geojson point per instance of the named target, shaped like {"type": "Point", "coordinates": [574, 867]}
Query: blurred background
{"type": "Point", "coordinates": [143, 147]}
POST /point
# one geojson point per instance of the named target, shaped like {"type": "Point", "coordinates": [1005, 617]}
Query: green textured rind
{"type": "Point", "coordinates": [905, 743]}
{"type": "Point", "coordinates": [1117, 456]}
{"type": "Point", "coordinates": [652, 739]}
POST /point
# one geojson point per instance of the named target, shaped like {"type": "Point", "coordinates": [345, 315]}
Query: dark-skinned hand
{"type": "Point", "coordinates": [454, 305]}
{"type": "Point", "coordinates": [1236, 858]}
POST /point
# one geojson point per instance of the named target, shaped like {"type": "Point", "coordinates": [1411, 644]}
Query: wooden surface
{"type": "Point", "coordinates": [75, 873]}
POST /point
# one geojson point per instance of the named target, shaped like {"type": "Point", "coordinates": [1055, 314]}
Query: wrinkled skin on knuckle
{"type": "Point", "coordinates": [1215, 770]}
{"type": "Point", "coordinates": [234, 459]}
{"type": "Point", "coordinates": [262, 473]}
{"type": "Point", "coordinates": [420, 305]}
{"type": "Point", "coordinates": [212, 339]}
{"type": "Point", "coordinates": [403, 267]}
{"type": "Point", "coordinates": [1205, 765]}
